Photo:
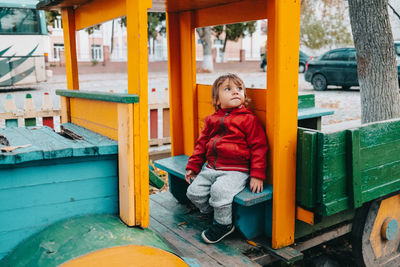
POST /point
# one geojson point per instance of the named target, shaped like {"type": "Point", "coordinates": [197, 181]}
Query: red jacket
{"type": "Point", "coordinates": [232, 140]}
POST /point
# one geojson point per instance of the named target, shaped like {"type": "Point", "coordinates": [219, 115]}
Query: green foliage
{"type": "Point", "coordinates": [90, 30]}
{"type": "Point", "coordinates": [155, 25]}
{"type": "Point", "coordinates": [234, 31]}
{"type": "Point", "coordinates": [324, 27]}
{"type": "Point", "coordinates": [51, 16]}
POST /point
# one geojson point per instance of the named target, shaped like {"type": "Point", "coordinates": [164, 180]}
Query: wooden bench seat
{"type": "Point", "coordinates": [251, 211]}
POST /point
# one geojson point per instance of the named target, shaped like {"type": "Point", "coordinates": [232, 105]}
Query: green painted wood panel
{"type": "Point", "coordinates": [101, 96]}
{"type": "Point", "coordinates": [306, 101]}
{"type": "Point", "coordinates": [331, 172]}
{"type": "Point", "coordinates": [380, 155]}
{"type": "Point", "coordinates": [379, 133]}
{"type": "Point", "coordinates": [353, 168]}
{"type": "Point", "coordinates": [306, 178]}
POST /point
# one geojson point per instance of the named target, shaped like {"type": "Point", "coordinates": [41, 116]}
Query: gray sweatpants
{"type": "Point", "coordinates": [216, 189]}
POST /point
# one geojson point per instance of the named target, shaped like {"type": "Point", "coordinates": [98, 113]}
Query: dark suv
{"type": "Point", "coordinates": [335, 67]}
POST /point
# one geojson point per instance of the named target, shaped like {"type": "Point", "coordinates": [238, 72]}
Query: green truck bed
{"type": "Point", "coordinates": [342, 170]}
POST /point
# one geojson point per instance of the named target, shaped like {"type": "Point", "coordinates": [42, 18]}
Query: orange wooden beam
{"type": "Point", "coordinates": [304, 215]}
{"type": "Point", "coordinates": [231, 13]}
{"type": "Point", "coordinates": [182, 73]}
{"type": "Point", "coordinates": [96, 12]}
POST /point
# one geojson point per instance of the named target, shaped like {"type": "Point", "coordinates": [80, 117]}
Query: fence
{"type": "Point", "coordinates": [29, 116]}
{"type": "Point", "coordinates": [159, 121]}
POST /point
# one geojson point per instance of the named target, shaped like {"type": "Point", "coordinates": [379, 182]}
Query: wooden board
{"type": "Point", "coordinates": [181, 227]}
{"type": "Point", "coordinates": [47, 144]}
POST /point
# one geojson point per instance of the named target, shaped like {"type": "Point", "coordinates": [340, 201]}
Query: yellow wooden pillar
{"type": "Point", "coordinates": [71, 64]}
{"type": "Point", "coordinates": [282, 94]}
{"type": "Point", "coordinates": [134, 185]}
{"type": "Point", "coordinates": [182, 73]}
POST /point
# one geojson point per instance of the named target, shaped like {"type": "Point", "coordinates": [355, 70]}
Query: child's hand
{"type": "Point", "coordinates": [189, 176]}
{"type": "Point", "coordinates": [256, 185]}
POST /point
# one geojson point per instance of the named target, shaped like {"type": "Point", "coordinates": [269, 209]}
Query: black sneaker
{"type": "Point", "coordinates": [217, 232]}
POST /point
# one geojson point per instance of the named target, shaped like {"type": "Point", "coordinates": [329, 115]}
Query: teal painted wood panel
{"type": "Point", "coordinates": [46, 141]}
{"type": "Point", "coordinates": [52, 172]}
{"type": "Point", "coordinates": [103, 144]}
{"type": "Point", "coordinates": [9, 240]}
{"type": "Point", "coordinates": [58, 193]}
{"type": "Point", "coordinates": [19, 155]}
{"type": "Point", "coordinates": [44, 215]}
{"type": "Point", "coordinates": [46, 144]}
{"type": "Point", "coordinates": [308, 113]}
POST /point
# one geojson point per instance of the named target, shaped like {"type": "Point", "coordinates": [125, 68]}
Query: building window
{"type": "Point", "coordinates": [58, 23]}
{"type": "Point", "coordinates": [57, 48]}
{"type": "Point", "coordinates": [97, 52]}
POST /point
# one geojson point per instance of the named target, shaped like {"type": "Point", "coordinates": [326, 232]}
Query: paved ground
{"type": "Point", "coordinates": [346, 104]}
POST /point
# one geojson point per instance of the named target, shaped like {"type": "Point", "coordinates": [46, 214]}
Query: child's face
{"type": "Point", "coordinates": [230, 95]}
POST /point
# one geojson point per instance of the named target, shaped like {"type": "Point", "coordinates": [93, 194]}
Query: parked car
{"type": "Point", "coordinates": [303, 58]}
{"type": "Point", "coordinates": [335, 67]}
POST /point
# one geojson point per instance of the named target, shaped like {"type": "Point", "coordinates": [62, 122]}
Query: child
{"type": "Point", "coordinates": [234, 144]}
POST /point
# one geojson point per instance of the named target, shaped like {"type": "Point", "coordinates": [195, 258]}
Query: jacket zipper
{"type": "Point", "coordinates": [215, 141]}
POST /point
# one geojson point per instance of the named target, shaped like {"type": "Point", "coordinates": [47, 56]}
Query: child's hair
{"type": "Point", "coordinates": [220, 80]}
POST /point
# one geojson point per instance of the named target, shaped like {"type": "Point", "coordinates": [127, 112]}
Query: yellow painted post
{"type": "Point", "coordinates": [71, 64]}
{"type": "Point", "coordinates": [182, 73]}
{"type": "Point", "coordinates": [136, 12]}
{"type": "Point", "coordinates": [282, 94]}
{"type": "Point", "coordinates": [126, 164]}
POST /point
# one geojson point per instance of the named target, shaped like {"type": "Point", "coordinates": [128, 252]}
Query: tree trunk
{"type": "Point", "coordinates": [205, 38]}
{"type": "Point", "coordinates": [376, 61]}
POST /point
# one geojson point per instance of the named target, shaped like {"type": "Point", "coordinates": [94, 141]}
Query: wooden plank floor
{"type": "Point", "coordinates": [181, 227]}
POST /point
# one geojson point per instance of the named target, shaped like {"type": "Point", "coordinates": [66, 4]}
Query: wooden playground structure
{"type": "Point", "coordinates": [320, 185]}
